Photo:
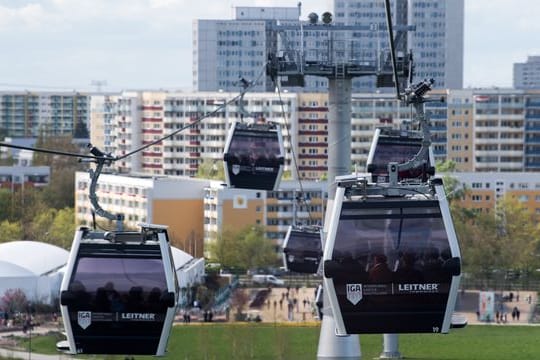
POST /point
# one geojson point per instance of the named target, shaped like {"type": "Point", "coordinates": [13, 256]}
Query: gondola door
{"type": "Point", "coordinates": [391, 265]}
{"type": "Point", "coordinates": [119, 297]}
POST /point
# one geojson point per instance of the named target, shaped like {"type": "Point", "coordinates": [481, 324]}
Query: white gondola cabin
{"type": "Point", "coordinates": [119, 292]}
{"type": "Point", "coordinates": [391, 263]}
{"type": "Point", "coordinates": [254, 156]}
{"type": "Point", "coordinates": [302, 249]}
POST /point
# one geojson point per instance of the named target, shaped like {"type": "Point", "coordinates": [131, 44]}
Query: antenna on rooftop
{"type": "Point", "coordinates": [98, 84]}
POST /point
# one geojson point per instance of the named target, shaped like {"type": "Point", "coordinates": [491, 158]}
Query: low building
{"type": "Point", "coordinates": [20, 177]}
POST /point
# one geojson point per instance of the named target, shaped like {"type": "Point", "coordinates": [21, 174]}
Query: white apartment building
{"type": "Point", "coordinates": [173, 201]}
{"type": "Point", "coordinates": [201, 121]}
{"type": "Point", "coordinates": [527, 74]}
{"type": "Point", "coordinates": [437, 42]}
{"type": "Point", "coordinates": [25, 114]}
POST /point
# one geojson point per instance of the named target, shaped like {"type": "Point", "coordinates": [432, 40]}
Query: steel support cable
{"type": "Point", "coordinates": [293, 153]}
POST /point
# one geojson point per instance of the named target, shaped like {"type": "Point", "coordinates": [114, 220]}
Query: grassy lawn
{"type": "Point", "coordinates": [263, 341]}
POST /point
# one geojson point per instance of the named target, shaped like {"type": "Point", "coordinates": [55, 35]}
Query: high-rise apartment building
{"type": "Point", "coordinates": [131, 120]}
{"type": "Point", "coordinates": [32, 114]}
{"type": "Point", "coordinates": [480, 129]}
{"type": "Point", "coordinates": [527, 74]}
{"type": "Point", "coordinates": [436, 43]}
{"type": "Point", "coordinates": [226, 50]}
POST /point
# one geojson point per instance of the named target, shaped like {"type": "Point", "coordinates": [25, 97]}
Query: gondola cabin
{"type": "Point", "coordinates": [391, 263]}
{"type": "Point", "coordinates": [254, 156]}
{"type": "Point", "coordinates": [119, 292]}
{"type": "Point", "coordinates": [391, 145]}
{"type": "Point", "coordinates": [302, 249]}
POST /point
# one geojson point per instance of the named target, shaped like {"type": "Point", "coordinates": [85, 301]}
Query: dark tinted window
{"type": "Point", "coordinates": [254, 147]}
{"type": "Point", "coordinates": [393, 237]}
{"type": "Point", "coordinates": [125, 276]}
{"type": "Point", "coordinates": [396, 151]}
{"type": "Point", "coordinates": [304, 241]}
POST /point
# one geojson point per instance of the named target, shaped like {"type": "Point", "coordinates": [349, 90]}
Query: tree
{"type": "Point", "coordinates": [520, 234]}
{"type": "Point", "coordinates": [6, 199]}
{"type": "Point", "coordinates": [255, 250]}
{"type": "Point", "coordinates": [39, 229]}
{"type": "Point", "coordinates": [55, 195]}
{"type": "Point", "coordinates": [62, 229]}
{"type": "Point", "coordinates": [480, 249]}
{"type": "Point", "coordinates": [10, 231]}
{"type": "Point", "coordinates": [211, 169]}
{"type": "Point", "coordinates": [452, 187]}
{"type": "Point", "coordinates": [14, 300]}
{"type": "Point", "coordinates": [81, 131]}
{"type": "Point", "coordinates": [244, 249]}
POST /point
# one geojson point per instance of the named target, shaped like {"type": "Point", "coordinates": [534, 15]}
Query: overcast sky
{"type": "Point", "coordinates": [146, 44]}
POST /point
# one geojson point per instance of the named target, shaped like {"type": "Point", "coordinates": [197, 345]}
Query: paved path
{"type": "Point", "coordinates": [467, 304]}
{"type": "Point", "coordinates": [276, 308]}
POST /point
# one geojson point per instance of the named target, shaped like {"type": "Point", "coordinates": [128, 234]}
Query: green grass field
{"type": "Point", "coordinates": [263, 341]}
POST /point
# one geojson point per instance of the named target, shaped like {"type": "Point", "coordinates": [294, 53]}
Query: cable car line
{"type": "Point", "coordinates": [293, 153]}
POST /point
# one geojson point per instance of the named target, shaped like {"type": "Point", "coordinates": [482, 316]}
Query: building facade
{"type": "Point", "coordinates": [293, 203]}
{"type": "Point", "coordinates": [436, 42]}
{"type": "Point", "coordinates": [172, 201]}
{"type": "Point", "coordinates": [32, 114]}
{"type": "Point", "coordinates": [200, 123]}
{"type": "Point", "coordinates": [527, 74]}
{"type": "Point", "coordinates": [227, 50]}
{"type": "Point", "coordinates": [484, 191]}
{"type": "Point", "coordinates": [20, 177]}
{"type": "Point", "coordinates": [478, 129]}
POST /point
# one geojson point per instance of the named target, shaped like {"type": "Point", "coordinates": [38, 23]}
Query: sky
{"type": "Point", "coordinates": [147, 44]}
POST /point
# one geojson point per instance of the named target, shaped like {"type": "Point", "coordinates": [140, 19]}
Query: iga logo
{"type": "Point", "coordinates": [84, 319]}
{"type": "Point", "coordinates": [354, 293]}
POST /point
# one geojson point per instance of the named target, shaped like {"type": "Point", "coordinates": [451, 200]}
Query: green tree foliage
{"type": "Point", "coordinates": [211, 169]}
{"type": "Point", "coordinates": [480, 249]}
{"type": "Point", "coordinates": [10, 231]}
{"type": "Point", "coordinates": [39, 228]}
{"type": "Point", "coordinates": [61, 191]}
{"type": "Point", "coordinates": [508, 238]}
{"type": "Point", "coordinates": [519, 231]}
{"type": "Point", "coordinates": [6, 207]}
{"type": "Point", "coordinates": [63, 170]}
{"type": "Point", "coordinates": [62, 229]}
{"type": "Point", "coordinates": [453, 189]}
{"type": "Point", "coordinates": [244, 249]}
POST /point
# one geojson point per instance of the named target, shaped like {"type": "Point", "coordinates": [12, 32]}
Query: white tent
{"type": "Point", "coordinates": [189, 270]}
{"type": "Point", "coordinates": [32, 267]}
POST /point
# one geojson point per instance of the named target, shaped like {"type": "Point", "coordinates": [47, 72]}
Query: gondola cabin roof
{"type": "Point", "coordinates": [254, 156]}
